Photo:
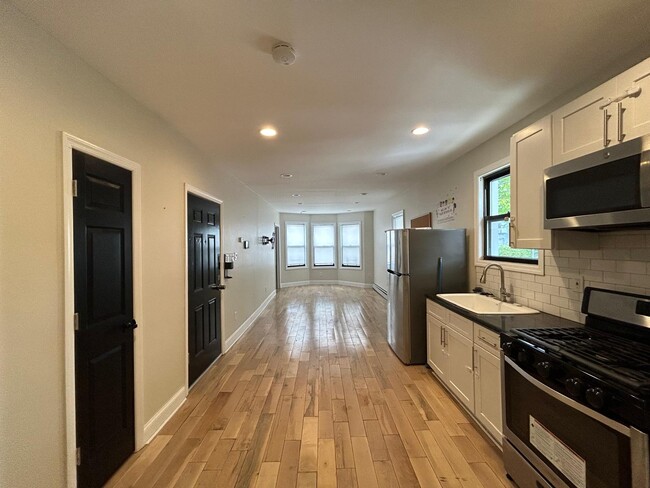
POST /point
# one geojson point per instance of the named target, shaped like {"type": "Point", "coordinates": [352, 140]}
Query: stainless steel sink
{"type": "Point", "coordinates": [481, 304]}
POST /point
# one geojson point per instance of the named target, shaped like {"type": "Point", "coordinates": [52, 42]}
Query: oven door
{"type": "Point", "coordinates": [568, 443]}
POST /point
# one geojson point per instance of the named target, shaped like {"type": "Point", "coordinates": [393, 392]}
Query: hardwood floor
{"type": "Point", "coordinates": [313, 396]}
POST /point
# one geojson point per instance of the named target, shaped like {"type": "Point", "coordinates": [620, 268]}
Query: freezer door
{"type": "Point", "coordinates": [397, 251]}
{"type": "Point", "coordinates": [399, 327]}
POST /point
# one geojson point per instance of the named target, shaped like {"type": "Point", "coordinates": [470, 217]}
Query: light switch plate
{"type": "Point", "coordinates": [576, 283]}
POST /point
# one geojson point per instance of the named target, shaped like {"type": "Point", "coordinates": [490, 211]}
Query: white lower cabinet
{"type": "Point", "coordinates": [460, 376]}
{"type": "Point", "coordinates": [436, 353]}
{"type": "Point", "coordinates": [464, 357]}
{"type": "Point", "coordinates": [487, 391]}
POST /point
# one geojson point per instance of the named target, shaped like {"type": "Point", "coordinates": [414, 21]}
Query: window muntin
{"type": "Point", "coordinates": [323, 245]}
{"type": "Point", "coordinates": [296, 243]}
{"type": "Point", "coordinates": [350, 244]}
{"type": "Point", "coordinates": [496, 209]}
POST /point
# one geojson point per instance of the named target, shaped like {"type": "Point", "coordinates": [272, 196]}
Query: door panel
{"type": "Point", "coordinates": [436, 357]}
{"type": "Point", "coordinates": [204, 297]}
{"type": "Point", "coordinates": [488, 392]}
{"type": "Point", "coordinates": [635, 117]}
{"type": "Point", "coordinates": [460, 374]}
{"type": "Point", "coordinates": [103, 281]}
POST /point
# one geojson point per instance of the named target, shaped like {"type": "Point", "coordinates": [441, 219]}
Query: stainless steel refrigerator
{"type": "Point", "coordinates": [420, 261]}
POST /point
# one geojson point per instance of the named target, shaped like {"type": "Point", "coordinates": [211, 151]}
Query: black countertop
{"type": "Point", "coordinates": [505, 323]}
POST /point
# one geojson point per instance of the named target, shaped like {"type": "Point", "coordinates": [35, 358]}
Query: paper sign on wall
{"type": "Point", "coordinates": [446, 211]}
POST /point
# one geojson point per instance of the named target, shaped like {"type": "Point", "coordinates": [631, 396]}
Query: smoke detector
{"type": "Point", "coordinates": [283, 53]}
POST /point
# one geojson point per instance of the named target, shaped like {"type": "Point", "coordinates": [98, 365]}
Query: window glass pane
{"type": "Point", "coordinates": [323, 235]}
{"type": "Point", "coordinates": [296, 256]}
{"type": "Point", "coordinates": [350, 235]}
{"type": "Point", "coordinates": [323, 256]}
{"type": "Point", "coordinates": [351, 256]}
{"type": "Point", "coordinates": [499, 196]}
{"type": "Point", "coordinates": [398, 220]}
{"type": "Point", "coordinates": [498, 244]}
{"type": "Point", "coordinates": [295, 234]}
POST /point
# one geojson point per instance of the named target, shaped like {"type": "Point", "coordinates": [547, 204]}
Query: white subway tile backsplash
{"type": "Point", "coordinates": [603, 265]}
{"type": "Point", "coordinates": [636, 267]}
{"type": "Point", "coordinates": [622, 263]}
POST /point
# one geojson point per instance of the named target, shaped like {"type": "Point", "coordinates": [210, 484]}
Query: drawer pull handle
{"type": "Point", "coordinates": [491, 344]}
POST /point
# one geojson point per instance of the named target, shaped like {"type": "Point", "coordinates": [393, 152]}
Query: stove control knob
{"type": "Point", "coordinates": [574, 386]}
{"type": "Point", "coordinates": [508, 348]}
{"type": "Point", "coordinates": [544, 369]}
{"type": "Point", "coordinates": [595, 397]}
{"type": "Point", "coordinates": [523, 357]}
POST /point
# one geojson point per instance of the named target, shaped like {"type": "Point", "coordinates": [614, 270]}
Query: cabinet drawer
{"type": "Point", "coordinates": [438, 311]}
{"type": "Point", "coordinates": [461, 324]}
{"type": "Point", "coordinates": [487, 339]}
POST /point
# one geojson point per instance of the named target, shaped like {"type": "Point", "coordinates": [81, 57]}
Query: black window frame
{"type": "Point", "coordinates": [487, 219]}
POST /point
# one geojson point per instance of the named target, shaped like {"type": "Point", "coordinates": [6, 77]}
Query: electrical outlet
{"type": "Point", "coordinates": [576, 283]}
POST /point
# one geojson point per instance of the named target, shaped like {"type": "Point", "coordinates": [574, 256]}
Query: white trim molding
{"type": "Point", "coordinates": [241, 330]}
{"type": "Point", "coordinates": [160, 418]}
{"type": "Point", "coordinates": [70, 142]}
{"type": "Point", "coordinates": [380, 290]}
{"type": "Point", "coordinates": [537, 269]}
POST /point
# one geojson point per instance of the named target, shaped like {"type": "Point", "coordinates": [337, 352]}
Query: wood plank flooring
{"type": "Point", "coordinates": [313, 396]}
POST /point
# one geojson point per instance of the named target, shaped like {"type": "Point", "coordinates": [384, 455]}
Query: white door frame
{"type": "Point", "coordinates": [200, 193]}
{"type": "Point", "coordinates": [69, 143]}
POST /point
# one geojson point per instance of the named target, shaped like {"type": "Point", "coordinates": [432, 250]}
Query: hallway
{"type": "Point", "coordinates": [313, 396]}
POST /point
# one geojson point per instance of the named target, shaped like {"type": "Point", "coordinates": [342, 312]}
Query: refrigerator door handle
{"type": "Point", "coordinates": [440, 288]}
{"type": "Point", "coordinates": [394, 273]}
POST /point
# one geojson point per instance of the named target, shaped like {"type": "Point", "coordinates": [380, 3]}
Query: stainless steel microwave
{"type": "Point", "coordinates": [605, 189]}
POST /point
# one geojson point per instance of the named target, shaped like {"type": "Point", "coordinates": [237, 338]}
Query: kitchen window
{"type": "Point", "coordinates": [493, 195]}
{"type": "Point", "coordinates": [350, 245]}
{"type": "Point", "coordinates": [296, 244]}
{"type": "Point", "coordinates": [398, 220]}
{"type": "Point", "coordinates": [323, 238]}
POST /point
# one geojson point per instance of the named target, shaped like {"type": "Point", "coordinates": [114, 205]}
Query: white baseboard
{"type": "Point", "coordinates": [380, 290]}
{"type": "Point", "coordinates": [247, 323]}
{"type": "Point", "coordinates": [160, 418]}
{"type": "Point", "coordinates": [325, 282]}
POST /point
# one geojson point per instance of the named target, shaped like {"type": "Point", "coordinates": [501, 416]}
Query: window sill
{"type": "Point", "coordinates": [534, 269]}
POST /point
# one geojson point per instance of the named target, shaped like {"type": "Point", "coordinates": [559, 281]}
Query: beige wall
{"type": "Point", "coordinates": [44, 90]}
{"type": "Point", "coordinates": [457, 178]}
{"type": "Point", "coordinates": [362, 276]}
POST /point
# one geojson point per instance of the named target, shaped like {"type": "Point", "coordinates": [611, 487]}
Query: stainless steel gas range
{"type": "Point", "coordinates": [577, 401]}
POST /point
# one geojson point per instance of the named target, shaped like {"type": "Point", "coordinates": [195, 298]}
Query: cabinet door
{"type": "Point", "coordinates": [488, 391]}
{"type": "Point", "coordinates": [436, 357]}
{"type": "Point", "coordinates": [531, 152]}
{"type": "Point", "coordinates": [460, 375]}
{"type": "Point", "coordinates": [582, 127]}
{"type": "Point", "coordinates": [634, 112]}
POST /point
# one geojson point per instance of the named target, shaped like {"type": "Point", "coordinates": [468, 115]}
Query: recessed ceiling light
{"type": "Point", "coordinates": [268, 132]}
{"type": "Point", "coordinates": [286, 175]}
{"type": "Point", "coordinates": [296, 195]}
{"type": "Point", "coordinates": [299, 203]}
{"type": "Point", "coordinates": [419, 131]}
{"type": "Point", "coordinates": [356, 203]}
{"type": "Point", "coordinates": [381, 173]}
{"type": "Point", "coordinates": [364, 193]}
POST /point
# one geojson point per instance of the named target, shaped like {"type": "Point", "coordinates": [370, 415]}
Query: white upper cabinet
{"type": "Point", "coordinates": [615, 112]}
{"type": "Point", "coordinates": [585, 125]}
{"type": "Point", "coordinates": [633, 111]}
{"type": "Point", "coordinates": [531, 152]}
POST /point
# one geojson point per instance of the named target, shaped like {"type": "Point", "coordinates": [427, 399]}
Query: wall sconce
{"type": "Point", "coordinates": [267, 240]}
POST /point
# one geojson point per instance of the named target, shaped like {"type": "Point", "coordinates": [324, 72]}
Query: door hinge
{"type": "Point", "coordinates": [78, 456]}
{"type": "Point", "coordinates": [74, 188]}
{"type": "Point", "coordinates": [76, 321]}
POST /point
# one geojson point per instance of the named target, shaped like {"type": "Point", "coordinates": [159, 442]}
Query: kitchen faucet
{"type": "Point", "coordinates": [504, 295]}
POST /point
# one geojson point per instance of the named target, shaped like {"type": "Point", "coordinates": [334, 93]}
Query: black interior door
{"type": "Point", "coordinates": [204, 286]}
{"type": "Point", "coordinates": [103, 283]}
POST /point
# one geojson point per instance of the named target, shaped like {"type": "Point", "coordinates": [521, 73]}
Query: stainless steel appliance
{"type": "Point", "coordinates": [605, 189]}
{"type": "Point", "coordinates": [577, 401]}
{"type": "Point", "coordinates": [420, 261]}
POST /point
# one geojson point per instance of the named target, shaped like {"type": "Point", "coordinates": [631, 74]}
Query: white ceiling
{"type": "Point", "coordinates": [367, 72]}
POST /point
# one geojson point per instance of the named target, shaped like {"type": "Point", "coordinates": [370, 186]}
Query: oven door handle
{"type": "Point", "coordinates": [569, 402]}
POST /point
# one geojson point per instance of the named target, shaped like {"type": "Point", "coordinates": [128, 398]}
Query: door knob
{"type": "Point", "coordinates": [218, 287]}
{"type": "Point", "coordinates": [131, 324]}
